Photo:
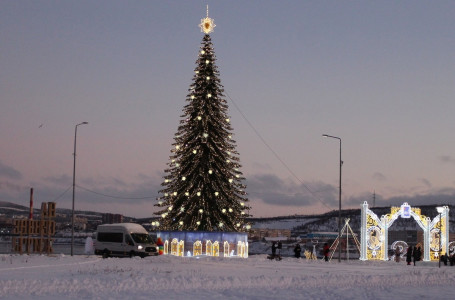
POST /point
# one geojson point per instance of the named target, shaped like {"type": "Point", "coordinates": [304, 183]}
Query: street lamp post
{"type": "Point", "coordinates": [440, 211]}
{"type": "Point", "coordinates": [74, 184]}
{"type": "Point", "coordinates": [339, 196]}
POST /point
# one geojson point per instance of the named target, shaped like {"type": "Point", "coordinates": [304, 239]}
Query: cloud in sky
{"type": "Point", "coordinates": [446, 159]}
{"type": "Point", "coordinates": [426, 182]}
{"type": "Point", "coordinates": [269, 195]}
{"type": "Point", "coordinates": [262, 166]}
{"type": "Point", "coordinates": [379, 176]}
{"type": "Point", "coordinates": [282, 192]}
{"type": "Point", "coordinates": [59, 180]}
{"type": "Point", "coordinates": [103, 194]}
{"type": "Point", "coordinates": [7, 186]}
{"type": "Point", "coordinates": [9, 172]}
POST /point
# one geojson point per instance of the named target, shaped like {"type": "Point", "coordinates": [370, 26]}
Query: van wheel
{"type": "Point", "coordinates": [105, 254]}
{"type": "Point", "coordinates": [131, 254]}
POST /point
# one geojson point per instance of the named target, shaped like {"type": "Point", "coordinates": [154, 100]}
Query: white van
{"type": "Point", "coordinates": [124, 239]}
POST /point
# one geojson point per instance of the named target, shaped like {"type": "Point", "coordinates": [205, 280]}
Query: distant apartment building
{"type": "Point", "coordinates": [6, 225]}
{"type": "Point", "coordinates": [80, 223]}
{"type": "Point", "coordinates": [261, 233]}
{"type": "Point", "coordinates": [112, 218]}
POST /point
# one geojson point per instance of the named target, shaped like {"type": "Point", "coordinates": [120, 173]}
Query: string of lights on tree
{"type": "Point", "coordinates": [203, 186]}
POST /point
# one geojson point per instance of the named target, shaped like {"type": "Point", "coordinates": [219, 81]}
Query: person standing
{"type": "Point", "coordinates": [279, 248]}
{"type": "Point", "coordinates": [297, 251]}
{"type": "Point", "coordinates": [444, 258]}
{"type": "Point", "coordinates": [273, 249]}
{"type": "Point", "coordinates": [409, 255]}
{"type": "Point", "coordinates": [415, 255]}
{"type": "Point", "coordinates": [326, 251]}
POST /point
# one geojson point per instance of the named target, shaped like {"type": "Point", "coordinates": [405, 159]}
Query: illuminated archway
{"type": "Point", "coordinates": [242, 249]}
{"type": "Point", "coordinates": [181, 251]}
{"type": "Point", "coordinates": [374, 231]}
{"type": "Point", "coordinates": [197, 248]}
{"type": "Point", "coordinates": [226, 249]}
{"type": "Point", "coordinates": [208, 248]}
{"type": "Point", "coordinates": [174, 246]}
{"type": "Point", "coordinates": [166, 247]}
{"type": "Point", "coordinates": [216, 249]}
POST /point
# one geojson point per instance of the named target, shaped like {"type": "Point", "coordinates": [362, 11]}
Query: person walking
{"type": "Point", "coordinates": [409, 255]}
{"type": "Point", "coordinates": [297, 251]}
{"type": "Point", "coordinates": [326, 251]}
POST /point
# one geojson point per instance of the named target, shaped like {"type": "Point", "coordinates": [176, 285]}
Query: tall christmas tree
{"type": "Point", "coordinates": [203, 189]}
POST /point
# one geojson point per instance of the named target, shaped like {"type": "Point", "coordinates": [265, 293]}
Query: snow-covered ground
{"type": "Point", "coordinates": [168, 277]}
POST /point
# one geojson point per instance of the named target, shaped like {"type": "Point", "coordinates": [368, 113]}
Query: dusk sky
{"type": "Point", "coordinates": [378, 74]}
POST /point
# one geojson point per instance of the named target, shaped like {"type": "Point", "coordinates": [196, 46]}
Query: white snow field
{"type": "Point", "coordinates": [168, 277]}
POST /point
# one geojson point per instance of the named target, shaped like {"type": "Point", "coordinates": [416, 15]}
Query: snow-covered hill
{"type": "Point", "coordinates": [328, 222]}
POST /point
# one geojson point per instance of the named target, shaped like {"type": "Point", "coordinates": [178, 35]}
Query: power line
{"type": "Point", "coordinates": [61, 195]}
{"type": "Point", "coordinates": [275, 154]}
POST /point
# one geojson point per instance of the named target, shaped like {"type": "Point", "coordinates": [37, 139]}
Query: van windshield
{"type": "Point", "coordinates": [142, 238]}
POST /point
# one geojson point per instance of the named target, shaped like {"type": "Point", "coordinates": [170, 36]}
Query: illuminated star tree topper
{"type": "Point", "coordinates": [207, 24]}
